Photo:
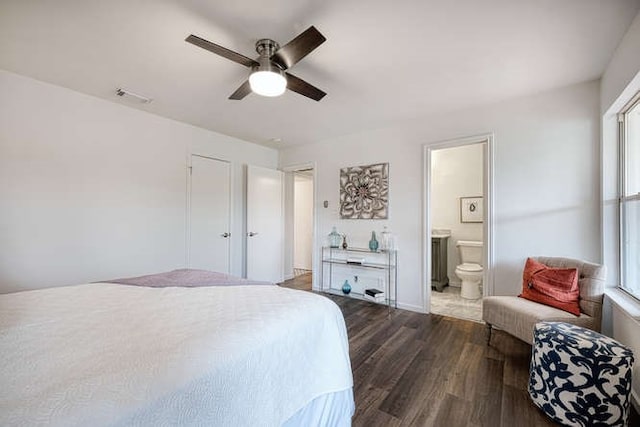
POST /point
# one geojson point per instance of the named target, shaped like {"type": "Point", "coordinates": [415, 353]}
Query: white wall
{"type": "Point", "coordinates": [455, 173]}
{"type": "Point", "coordinates": [92, 190]}
{"type": "Point", "coordinates": [620, 82]}
{"type": "Point", "coordinates": [303, 221]}
{"type": "Point", "coordinates": [546, 198]}
{"type": "Point", "coordinates": [624, 319]}
{"type": "Point", "coordinates": [623, 67]}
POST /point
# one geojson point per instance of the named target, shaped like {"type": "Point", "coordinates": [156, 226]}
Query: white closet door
{"type": "Point", "coordinates": [303, 221]}
{"type": "Point", "coordinates": [209, 218]}
{"type": "Point", "coordinates": [265, 224]}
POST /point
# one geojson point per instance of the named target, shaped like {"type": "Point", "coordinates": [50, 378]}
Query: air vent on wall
{"type": "Point", "coordinates": [124, 92]}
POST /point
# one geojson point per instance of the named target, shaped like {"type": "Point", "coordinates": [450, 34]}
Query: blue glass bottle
{"type": "Point", "coordinates": [373, 243]}
{"type": "Point", "coordinates": [346, 288]}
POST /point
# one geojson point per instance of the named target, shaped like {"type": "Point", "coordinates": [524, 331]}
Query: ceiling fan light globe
{"type": "Point", "coordinates": [267, 83]}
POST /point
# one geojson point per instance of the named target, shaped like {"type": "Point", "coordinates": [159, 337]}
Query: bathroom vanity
{"type": "Point", "coordinates": [439, 246]}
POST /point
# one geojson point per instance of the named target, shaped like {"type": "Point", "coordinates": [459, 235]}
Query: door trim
{"type": "Point", "coordinates": [188, 210]}
{"type": "Point", "coordinates": [315, 254]}
{"type": "Point", "coordinates": [488, 226]}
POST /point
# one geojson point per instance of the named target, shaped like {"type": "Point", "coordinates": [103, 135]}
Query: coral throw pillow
{"type": "Point", "coordinates": [555, 287]}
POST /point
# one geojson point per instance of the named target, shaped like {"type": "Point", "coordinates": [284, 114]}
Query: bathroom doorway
{"type": "Point", "coordinates": [458, 218]}
{"type": "Point", "coordinates": [299, 226]}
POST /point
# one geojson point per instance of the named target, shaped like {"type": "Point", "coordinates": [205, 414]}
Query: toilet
{"type": "Point", "coordinates": [470, 271]}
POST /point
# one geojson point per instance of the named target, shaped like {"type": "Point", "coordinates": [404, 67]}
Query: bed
{"type": "Point", "coordinates": [235, 354]}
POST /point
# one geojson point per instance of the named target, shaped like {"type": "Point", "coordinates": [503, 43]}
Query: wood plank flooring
{"type": "Point", "coordinates": [414, 369]}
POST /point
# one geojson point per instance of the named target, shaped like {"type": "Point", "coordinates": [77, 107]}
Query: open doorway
{"type": "Point", "coordinates": [458, 238]}
{"type": "Point", "coordinates": [299, 227]}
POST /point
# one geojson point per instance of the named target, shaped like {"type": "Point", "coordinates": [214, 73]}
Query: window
{"type": "Point", "coordinates": [630, 199]}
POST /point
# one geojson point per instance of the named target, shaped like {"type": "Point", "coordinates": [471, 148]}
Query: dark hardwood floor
{"type": "Point", "coordinates": [412, 369]}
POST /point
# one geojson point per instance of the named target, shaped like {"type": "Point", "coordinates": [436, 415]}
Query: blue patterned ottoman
{"type": "Point", "coordinates": [579, 377]}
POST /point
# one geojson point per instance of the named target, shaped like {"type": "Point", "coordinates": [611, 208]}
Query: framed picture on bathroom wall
{"type": "Point", "coordinates": [471, 209]}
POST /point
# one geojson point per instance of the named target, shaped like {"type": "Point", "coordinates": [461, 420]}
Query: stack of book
{"type": "Point", "coordinates": [375, 295]}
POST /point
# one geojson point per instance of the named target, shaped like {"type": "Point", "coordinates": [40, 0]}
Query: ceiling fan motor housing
{"type": "Point", "coordinates": [266, 48]}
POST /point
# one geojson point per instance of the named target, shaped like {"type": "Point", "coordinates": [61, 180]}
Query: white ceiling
{"type": "Point", "coordinates": [383, 61]}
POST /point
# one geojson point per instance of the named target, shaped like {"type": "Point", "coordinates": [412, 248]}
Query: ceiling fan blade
{"type": "Point", "coordinates": [222, 51]}
{"type": "Point", "coordinates": [242, 91]}
{"type": "Point", "coordinates": [303, 88]}
{"type": "Point", "coordinates": [289, 54]}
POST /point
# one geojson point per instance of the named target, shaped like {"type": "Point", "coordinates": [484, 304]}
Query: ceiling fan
{"type": "Point", "coordinates": [268, 72]}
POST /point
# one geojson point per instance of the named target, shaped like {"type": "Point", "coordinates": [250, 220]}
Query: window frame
{"type": "Point", "coordinates": [622, 184]}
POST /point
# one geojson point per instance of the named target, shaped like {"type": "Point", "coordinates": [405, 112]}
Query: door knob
{"type": "Point", "coordinates": [225, 234]}
{"type": "Point", "coordinates": [251, 234]}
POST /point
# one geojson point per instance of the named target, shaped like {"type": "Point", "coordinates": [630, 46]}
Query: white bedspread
{"type": "Point", "coordinates": [107, 354]}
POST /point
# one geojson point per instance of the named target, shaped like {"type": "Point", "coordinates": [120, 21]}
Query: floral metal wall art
{"type": "Point", "coordinates": [364, 192]}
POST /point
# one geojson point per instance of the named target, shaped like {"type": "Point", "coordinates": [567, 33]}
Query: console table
{"type": "Point", "coordinates": [363, 269]}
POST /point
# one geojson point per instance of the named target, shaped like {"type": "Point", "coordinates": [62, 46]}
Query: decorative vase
{"type": "Point", "coordinates": [346, 288]}
{"type": "Point", "coordinates": [344, 241]}
{"type": "Point", "coordinates": [384, 240]}
{"type": "Point", "coordinates": [373, 243]}
{"type": "Point", "coordinates": [334, 239]}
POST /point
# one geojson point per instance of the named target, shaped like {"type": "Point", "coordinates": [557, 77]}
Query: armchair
{"type": "Point", "coordinates": [518, 316]}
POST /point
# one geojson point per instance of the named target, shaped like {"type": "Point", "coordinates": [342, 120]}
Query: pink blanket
{"type": "Point", "coordinates": [188, 278]}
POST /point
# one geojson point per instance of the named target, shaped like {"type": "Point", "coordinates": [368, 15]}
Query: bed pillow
{"type": "Point", "coordinates": [555, 287]}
